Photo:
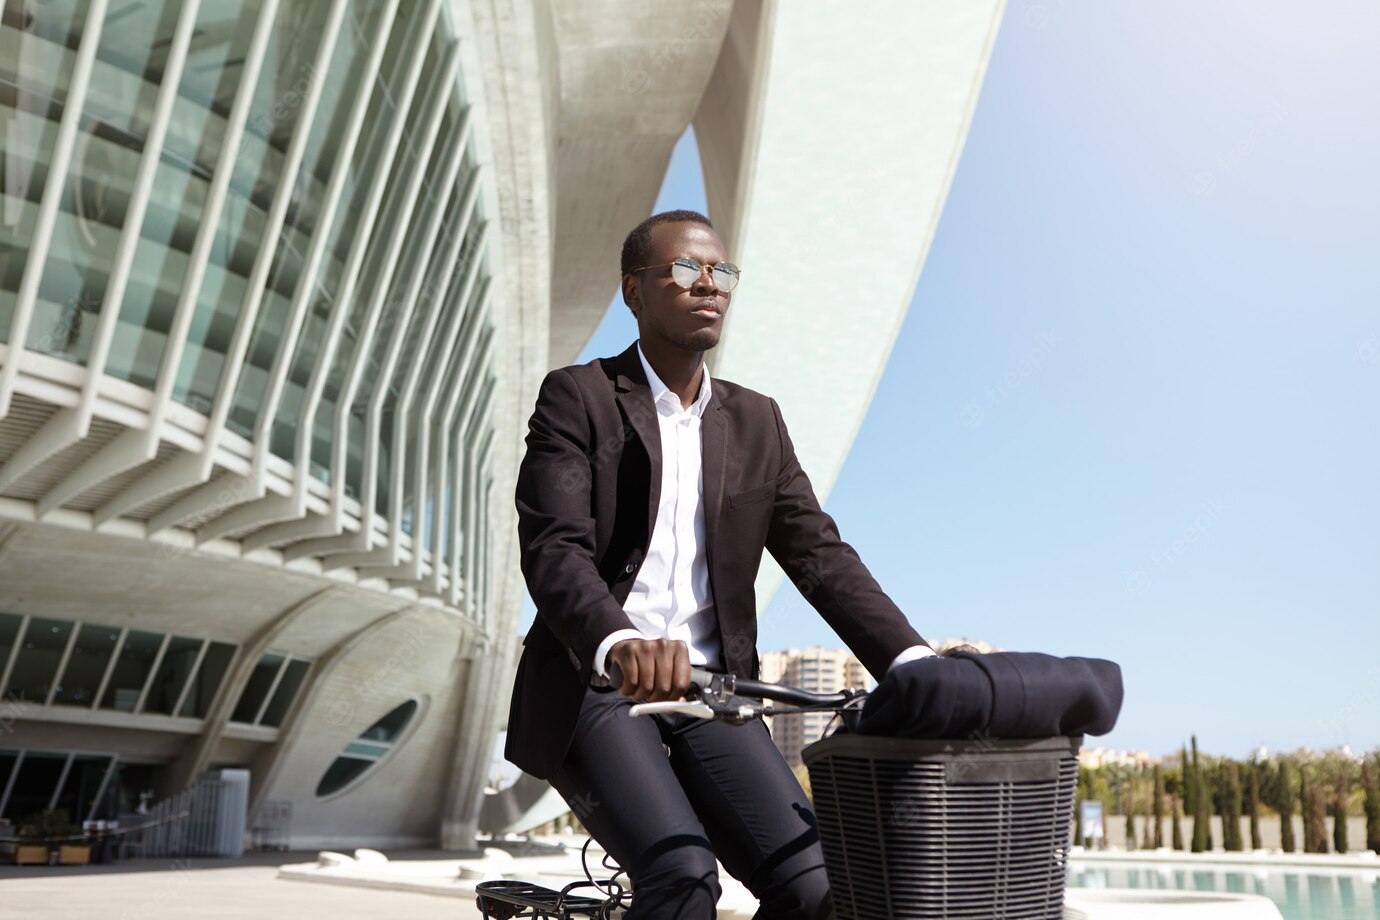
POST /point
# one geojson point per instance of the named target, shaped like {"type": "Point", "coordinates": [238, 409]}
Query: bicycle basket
{"type": "Point", "coordinates": [926, 829]}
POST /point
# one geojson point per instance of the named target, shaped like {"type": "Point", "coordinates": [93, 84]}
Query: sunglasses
{"type": "Point", "coordinates": [686, 272]}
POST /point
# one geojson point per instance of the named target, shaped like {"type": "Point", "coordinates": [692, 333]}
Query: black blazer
{"type": "Point", "coordinates": [587, 494]}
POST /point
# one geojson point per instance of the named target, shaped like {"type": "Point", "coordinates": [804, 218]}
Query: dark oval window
{"type": "Point", "coordinates": [371, 748]}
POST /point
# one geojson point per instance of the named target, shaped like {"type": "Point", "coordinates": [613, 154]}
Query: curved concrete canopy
{"type": "Point", "coordinates": [626, 80]}
{"type": "Point", "coordinates": [833, 146]}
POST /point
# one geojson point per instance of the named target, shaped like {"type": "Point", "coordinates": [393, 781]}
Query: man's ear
{"type": "Point", "coordinates": [631, 295]}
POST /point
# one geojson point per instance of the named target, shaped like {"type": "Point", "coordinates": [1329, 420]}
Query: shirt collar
{"type": "Point", "coordinates": [660, 390]}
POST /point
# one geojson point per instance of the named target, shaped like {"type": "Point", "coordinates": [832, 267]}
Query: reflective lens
{"type": "Point", "coordinates": [686, 273]}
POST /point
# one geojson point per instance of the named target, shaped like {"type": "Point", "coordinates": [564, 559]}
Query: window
{"type": "Point", "coordinates": [7, 761]}
{"type": "Point", "coordinates": [35, 667]}
{"type": "Point", "coordinates": [367, 751]}
{"type": "Point", "coordinates": [271, 689]}
{"type": "Point", "coordinates": [202, 689]}
{"type": "Point", "coordinates": [33, 784]}
{"type": "Point", "coordinates": [179, 658]}
{"type": "Point", "coordinates": [85, 776]}
{"type": "Point", "coordinates": [131, 671]}
{"type": "Point", "coordinates": [9, 630]}
{"type": "Point", "coordinates": [80, 784]}
{"type": "Point", "coordinates": [92, 665]}
{"type": "Point", "coordinates": [90, 657]}
{"type": "Point", "coordinates": [287, 691]}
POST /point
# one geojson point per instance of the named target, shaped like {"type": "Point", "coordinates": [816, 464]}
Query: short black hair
{"type": "Point", "coordinates": [637, 248]}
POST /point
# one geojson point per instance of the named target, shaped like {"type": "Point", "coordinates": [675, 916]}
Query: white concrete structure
{"type": "Point", "coordinates": [278, 281]}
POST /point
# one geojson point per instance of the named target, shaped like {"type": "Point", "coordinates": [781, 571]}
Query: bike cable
{"type": "Point", "coordinates": [608, 863]}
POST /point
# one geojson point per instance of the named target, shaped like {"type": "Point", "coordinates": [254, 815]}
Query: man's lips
{"type": "Point", "coordinates": [709, 310]}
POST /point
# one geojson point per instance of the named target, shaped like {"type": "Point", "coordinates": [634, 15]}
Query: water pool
{"type": "Point", "coordinates": [1301, 894]}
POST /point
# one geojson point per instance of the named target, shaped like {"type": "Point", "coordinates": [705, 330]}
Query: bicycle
{"type": "Point", "coordinates": [911, 829]}
{"type": "Point", "coordinates": [711, 696]}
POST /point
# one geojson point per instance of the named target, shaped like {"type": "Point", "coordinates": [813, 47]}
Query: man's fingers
{"type": "Point", "coordinates": [681, 681]}
{"type": "Point", "coordinates": [653, 669]}
{"type": "Point", "coordinates": [665, 671]}
{"type": "Point", "coordinates": [628, 665]}
{"type": "Point", "coordinates": [647, 686]}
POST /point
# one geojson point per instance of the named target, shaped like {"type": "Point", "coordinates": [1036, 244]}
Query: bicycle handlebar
{"type": "Point", "coordinates": [713, 682]}
{"type": "Point", "coordinates": [727, 696]}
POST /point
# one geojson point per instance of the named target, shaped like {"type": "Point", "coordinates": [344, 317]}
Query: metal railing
{"type": "Point", "coordinates": [199, 821]}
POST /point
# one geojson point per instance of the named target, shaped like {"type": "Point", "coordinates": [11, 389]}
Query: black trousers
{"type": "Point", "coordinates": [723, 790]}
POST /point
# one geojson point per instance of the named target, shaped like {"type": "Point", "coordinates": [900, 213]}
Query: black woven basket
{"type": "Point", "coordinates": [929, 829]}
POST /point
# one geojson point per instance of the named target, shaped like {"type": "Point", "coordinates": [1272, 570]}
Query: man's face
{"type": "Point", "coordinates": [689, 319]}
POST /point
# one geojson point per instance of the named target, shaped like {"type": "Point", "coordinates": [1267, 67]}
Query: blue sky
{"type": "Point", "coordinates": [1134, 410]}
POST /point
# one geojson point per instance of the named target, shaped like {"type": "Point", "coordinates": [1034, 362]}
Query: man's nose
{"type": "Point", "coordinates": [704, 284]}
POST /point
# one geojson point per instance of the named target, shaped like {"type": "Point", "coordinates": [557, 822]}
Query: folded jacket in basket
{"type": "Point", "coordinates": [1000, 695]}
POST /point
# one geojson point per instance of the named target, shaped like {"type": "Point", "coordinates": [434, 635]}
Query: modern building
{"type": "Point", "coordinates": [818, 670]}
{"type": "Point", "coordinates": [278, 282]}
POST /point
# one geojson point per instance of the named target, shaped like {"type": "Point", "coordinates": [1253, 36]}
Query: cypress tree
{"type": "Point", "coordinates": [1368, 780]}
{"type": "Point", "coordinates": [1231, 807]}
{"type": "Point", "coordinates": [1253, 803]}
{"type": "Point", "coordinates": [1314, 814]}
{"type": "Point", "coordinates": [1157, 810]}
{"type": "Point", "coordinates": [1129, 809]}
{"type": "Point", "coordinates": [1202, 814]}
{"type": "Point", "coordinates": [1339, 809]}
{"type": "Point", "coordinates": [1177, 829]}
{"type": "Point", "coordinates": [1202, 798]}
{"type": "Point", "coordinates": [1082, 793]}
{"type": "Point", "coordinates": [1286, 809]}
{"type": "Point", "coordinates": [1190, 788]}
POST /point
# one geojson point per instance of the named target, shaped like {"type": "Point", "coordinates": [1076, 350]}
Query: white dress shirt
{"type": "Point", "coordinates": [671, 598]}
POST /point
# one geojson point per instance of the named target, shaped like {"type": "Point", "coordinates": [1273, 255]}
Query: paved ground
{"type": "Point", "coordinates": [210, 889]}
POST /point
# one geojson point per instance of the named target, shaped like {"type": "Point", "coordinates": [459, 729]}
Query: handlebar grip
{"type": "Point", "coordinates": [699, 677]}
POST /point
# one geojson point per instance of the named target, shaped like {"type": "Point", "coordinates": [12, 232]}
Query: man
{"type": "Point", "coordinates": [646, 497]}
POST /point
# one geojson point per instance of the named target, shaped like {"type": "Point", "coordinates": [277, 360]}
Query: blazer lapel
{"type": "Point", "coordinates": [634, 397]}
{"type": "Point", "coordinates": [713, 445]}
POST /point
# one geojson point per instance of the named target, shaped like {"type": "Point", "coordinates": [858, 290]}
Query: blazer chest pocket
{"type": "Point", "coordinates": [755, 494]}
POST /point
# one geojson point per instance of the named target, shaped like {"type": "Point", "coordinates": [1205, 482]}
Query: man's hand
{"type": "Point", "coordinates": [960, 648]}
{"type": "Point", "coordinates": [654, 670]}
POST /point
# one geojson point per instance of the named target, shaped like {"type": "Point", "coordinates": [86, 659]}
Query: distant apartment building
{"type": "Point", "coordinates": [1095, 758]}
{"type": "Point", "coordinates": [819, 670]}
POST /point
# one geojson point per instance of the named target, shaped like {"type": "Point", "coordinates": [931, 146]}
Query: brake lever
{"type": "Point", "coordinates": [716, 691]}
{"type": "Point", "coordinates": [711, 696]}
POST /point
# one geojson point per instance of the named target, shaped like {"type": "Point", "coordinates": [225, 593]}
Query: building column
{"type": "Point", "coordinates": [489, 682]}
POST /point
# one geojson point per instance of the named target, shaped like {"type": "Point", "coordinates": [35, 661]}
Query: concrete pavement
{"type": "Point", "coordinates": [209, 889]}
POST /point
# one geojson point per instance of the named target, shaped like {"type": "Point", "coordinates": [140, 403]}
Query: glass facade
{"type": "Point", "coordinates": [311, 251]}
{"type": "Point", "coordinates": [85, 785]}
{"type": "Point", "coordinates": [266, 229]}
{"type": "Point", "coordinates": [106, 667]}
